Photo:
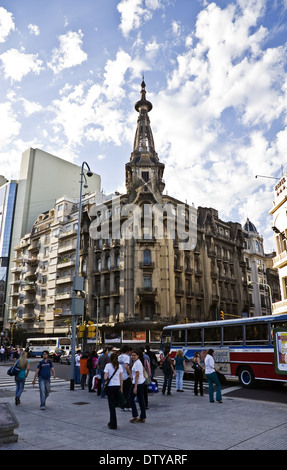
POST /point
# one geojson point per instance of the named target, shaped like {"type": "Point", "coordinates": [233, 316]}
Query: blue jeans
{"type": "Point", "coordinates": [19, 386]}
{"type": "Point", "coordinates": [77, 375]}
{"type": "Point", "coordinates": [179, 379]}
{"type": "Point", "coordinates": [213, 379]}
{"type": "Point", "coordinates": [141, 402]}
{"type": "Point", "coordinates": [167, 382]}
{"type": "Point", "coordinates": [44, 386]}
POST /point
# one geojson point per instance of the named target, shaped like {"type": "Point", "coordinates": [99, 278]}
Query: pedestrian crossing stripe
{"type": "Point", "coordinates": [187, 384]}
{"type": "Point", "coordinates": [9, 382]}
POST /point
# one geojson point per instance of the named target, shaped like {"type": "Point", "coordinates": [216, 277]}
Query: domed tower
{"type": "Point", "coordinates": [144, 169]}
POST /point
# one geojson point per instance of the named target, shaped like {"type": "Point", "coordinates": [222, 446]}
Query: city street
{"type": "Point", "coordinates": [77, 420]}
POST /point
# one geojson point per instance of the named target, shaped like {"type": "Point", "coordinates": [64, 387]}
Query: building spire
{"type": "Point", "coordinates": [143, 143]}
{"type": "Point", "coordinates": [144, 169]}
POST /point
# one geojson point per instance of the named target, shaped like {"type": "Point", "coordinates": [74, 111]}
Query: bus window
{"type": "Point", "coordinates": [257, 333]}
{"type": "Point", "coordinates": [233, 335]}
{"type": "Point", "coordinates": [212, 335]}
{"type": "Point", "coordinates": [166, 340]}
{"type": "Point", "coordinates": [194, 336]}
{"type": "Point", "coordinates": [178, 337]}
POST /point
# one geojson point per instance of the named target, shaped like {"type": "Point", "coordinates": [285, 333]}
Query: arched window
{"type": "Point", "coordinates": [99, 265]}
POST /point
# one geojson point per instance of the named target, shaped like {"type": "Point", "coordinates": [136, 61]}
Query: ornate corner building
{"type": "Point", "coordinates": [141, 275]}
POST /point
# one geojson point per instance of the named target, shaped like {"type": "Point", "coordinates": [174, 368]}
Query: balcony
{"type": "Point", "coordinates": [146, 290]}
{"type": "Point", "coordinates": [64, 280]}
{"type": "Point", "coordinates": [63, 296]}
{"type": "Point", "coordinates": [67, 247]}
{"type": "Point", "coordinates": [29, 302]}
{"type": "Point", "coordinates": [280, 260]}
{"type": "Point", "coordinates": [280, 307]}
{"type": "Point", "coordinates": [143, 265]}
{"type": "Point", "coordinates": [65, 263]}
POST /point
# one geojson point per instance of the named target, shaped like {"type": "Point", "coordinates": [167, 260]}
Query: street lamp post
{"type": "Point", "coordinates": [78, 284]}
{"type": "Point", "coordinates": [270, 293]}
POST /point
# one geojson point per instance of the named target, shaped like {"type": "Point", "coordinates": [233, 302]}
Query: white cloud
{"type": "Point", "coordinates": [134, 13]}
{"type": "Point", "coordinates": [17, 64]}
{"type": "Point", "coordinates": [9, 125]}
{"type": "Point", "coordinates": [69, 54]}
{"type": "Point", "coordinates": [6, 24]}
{"type": "Point", "coordinates": [34, 29]}
{"type": "Point", "coordinates": [31, 107]}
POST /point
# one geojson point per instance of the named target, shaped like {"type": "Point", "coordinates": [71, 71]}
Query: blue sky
{"type": "Point", "coordinates": [70, 74]}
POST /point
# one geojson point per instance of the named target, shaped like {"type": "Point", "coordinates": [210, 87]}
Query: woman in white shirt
{"type": "Point", "coordinates": [137, 389]}
{"type": "Point", "coordinates": [113, 373]}
{"type": "Point", "coordinates": [212, 377]}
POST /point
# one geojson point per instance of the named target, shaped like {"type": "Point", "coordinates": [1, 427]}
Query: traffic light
{"type": "Point", "coordinates": [91, 331]}
{"type": "Point", "coordinates": [81, 331]}
{"type": "Point", "coordinates": [222, 315]}
{"type": "Point", "coordinates": [186, 320]}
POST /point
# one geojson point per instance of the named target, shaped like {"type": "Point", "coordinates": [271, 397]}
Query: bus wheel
{"type": "Point", "coordinates": [246, 377]}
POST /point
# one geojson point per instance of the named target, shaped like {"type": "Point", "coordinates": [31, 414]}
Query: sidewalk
{"type": "Point", "coordinates": [77, 420]}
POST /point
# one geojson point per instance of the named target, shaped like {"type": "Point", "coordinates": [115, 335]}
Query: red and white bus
{"type": "Point", "coordinates": [251, 349]}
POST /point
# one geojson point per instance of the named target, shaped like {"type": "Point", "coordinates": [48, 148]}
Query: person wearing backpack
{"type": "Point", "coordinates": [43, 372]}
{"type": "Point", "coordinates": [168, 371]}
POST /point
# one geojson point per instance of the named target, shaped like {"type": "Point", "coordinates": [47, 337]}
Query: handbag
{"type": "Point", "coordinates": [221, 377]}
{"type": "Point", "coordinates": [147, 377]}
{"type": "Point", "coordinates": [95, 381]}
{"type": "Point", "coordinates": [108, 381]}
{"type": "Point", "coordinates": [14, 370]}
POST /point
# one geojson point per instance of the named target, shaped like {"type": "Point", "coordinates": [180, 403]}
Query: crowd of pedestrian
{"type": "Point", "coordinates": [123, 376]}
{"type": "Point", "coordinates": [8, 353]}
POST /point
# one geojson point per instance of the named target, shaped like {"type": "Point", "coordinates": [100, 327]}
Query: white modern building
{"type": "Point", "coordinates": [43, 179]}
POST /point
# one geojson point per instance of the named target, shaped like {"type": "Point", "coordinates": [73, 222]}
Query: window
{"type": "Point", "coordinates": [212, 335]}
{"type": "Point", "coordinates": [178, 337]}
{"type": "Point", "coordinates": [147, 282]}
{"type": "Point", "coordinates": [145, 176]}
{"type": "Point", "coordinates": [233, 335]}
{"type": "Point", "coordinates": [194, 336]}
{"type": "Point", "coordinates": [118, 261]}
{"type": "Point", "coordinates": [257, 333]}
{"type": "Point", "coordinates": [99, 265]}
{"type": "Point", "coordinates": [147, 257]}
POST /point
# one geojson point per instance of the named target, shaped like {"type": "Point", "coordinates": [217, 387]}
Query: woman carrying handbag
{"type": "Point", "coordinates": [113, 375]}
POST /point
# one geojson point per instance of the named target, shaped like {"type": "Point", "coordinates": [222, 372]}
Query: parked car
{"type": "Point", "coordinates": [65, 358]}
{"type": "Point", "coordinates": [56, 354]}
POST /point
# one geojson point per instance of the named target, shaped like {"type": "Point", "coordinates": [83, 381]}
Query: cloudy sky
{"type": "Point", "coordinates": [215, 71]}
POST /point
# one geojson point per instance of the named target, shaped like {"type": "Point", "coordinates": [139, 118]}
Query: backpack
{"type": "Point", "coordinates": [90, 362]}
{"type": "Point", "coordinates": [166, 367]}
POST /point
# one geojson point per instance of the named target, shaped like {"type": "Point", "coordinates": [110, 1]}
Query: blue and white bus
{"type": "Point", "coordinates": [38, 345]}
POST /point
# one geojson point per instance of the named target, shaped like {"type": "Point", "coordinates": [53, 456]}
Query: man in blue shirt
{"type": "Point", "coordinates": [43, 372]}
